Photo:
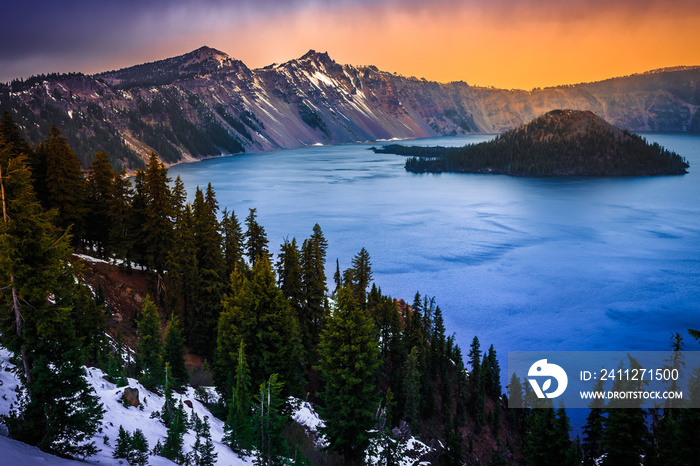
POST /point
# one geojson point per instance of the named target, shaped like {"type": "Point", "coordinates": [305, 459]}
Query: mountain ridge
{"type": "Point", "coordinates": [205, 103]}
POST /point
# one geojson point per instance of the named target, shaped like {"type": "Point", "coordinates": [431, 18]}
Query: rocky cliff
{"type": "Point", "coordinates": [205, 103]}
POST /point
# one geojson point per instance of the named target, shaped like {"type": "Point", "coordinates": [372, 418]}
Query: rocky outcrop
{"type": "Point", "coordinates": [205, 103]}
{"type": "Point", "coordinates": [131, 396]}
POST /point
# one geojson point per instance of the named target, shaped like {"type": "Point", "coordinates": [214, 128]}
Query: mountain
{"type": "Point", "coordinates": [205, 103]}
{"type": "Point", "coordinates": [559, 143]}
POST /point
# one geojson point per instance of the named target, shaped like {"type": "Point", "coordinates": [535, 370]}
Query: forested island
{"type": "Point", "coordinates": [559, 143]}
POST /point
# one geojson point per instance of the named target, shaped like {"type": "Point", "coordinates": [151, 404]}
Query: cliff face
{"type": "Point", "coordinates": [205, 103]}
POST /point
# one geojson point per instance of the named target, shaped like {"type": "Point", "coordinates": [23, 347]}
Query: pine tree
{"type": "Point", "coordinates": [57, 410]}
{"type": "Point", "coordinates": [182, 279]}
{"type": "Point", "coordinates": [119, 211]}
{"type": "Point", "coordinates": [174, 352]}
{"type": "Point", "coordinates": [268, 420]}
{"type": "Point", "coordinates": [289, 275]}
{"type": "Point", "coordinates": [257, 312]}
{"type": "Point", "coordinates": [139, 449]}
{"type": "Point", "coordinates": [626, 436]}
{"type": "Point", "coordinates": [233, 242]}
{"type": "Point", "coordinates": [348, 372]}
{"type": "Point", "coordinates": [238, 432]}
{"type": "Point", "coordinates": [100, 188]}
{"type": "Point", "coordinates": [256, 240]}
{"type": "Point", "coordinates": [149, 344]}
{"type": "Point", "coordinates": [122, 448]}
{"type": "Point", "coordinates": [212, 270]}
{"type": "Point", "coordinates": [411, 390]}
{"type": "Point", "coordinates": [157, 229]}
{"type": "Point", "coordinates": [362, 275]}
{"type": "Point", "coordinates": [313, 265]}
{"type": "Point", "coordinates": [593, 430]}
{"type": "Point", "coordinates": [60, 184]}
{"type": "Point", "coordinates": [203, 453]}
{"type": "Point", "coordinates": [174, 440]}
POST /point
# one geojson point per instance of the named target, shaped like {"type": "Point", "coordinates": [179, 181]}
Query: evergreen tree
{"type": "Point", "coordinates": [122, 448]}
{"type": "Point", "coordinates": [57, 410]}
{"type": "Point", "coordinates": [233, 242]}
{"type": "Point", "coordinates": [137, 219]}
{"type": "Point", "coordinates": [238, 433]}
{"type": "Point", "coordinates": [593, 430]}
{"type": "Point", "coordinates": [203, 453]}
{"type": "Point", "coordinates": [256, 240]}
{"type": "Point", "coordinates": [212, 270]}
{"type": "Point", "coordinates": [149, 344]}
{"type": "Point", "coordinates": [257, 312]}
{"type": "Point", "coordinates": [139, 449]}
{"type": "Point", "coordinates": [60, 184]}
{"type": "Point", "coordinates": [348, 372]}
{"type": "Point", "coordinates": [119, 211]}
{"type": "Point", "coordinates": [268, 420]}
{"type": "Point", "coordinates": [313, 265]}
{"type": "Point", "coordinates": [412, 394]}
{"type": "Point", "coordinates": [182, 280]}
{"type": "Point", "coordinates": [100, 188]}
{"type": "Point", "coordinates": [289, 276]}
{"type": "Point", "coordinates": [625, 438]}
{"type": "Point", "coordinates": [174, 352]}
{"type": "Point", "coordinates": [177, 426]}
{"type": "Point", "coordinates": [337, 278]}
{"type": "Point", "coordinates": [157, 229]}
{"type": "Point", "coordinates": [361, 275]}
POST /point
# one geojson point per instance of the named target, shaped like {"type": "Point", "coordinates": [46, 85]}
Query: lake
{"type": "Point", "coordinates": [524, 263]}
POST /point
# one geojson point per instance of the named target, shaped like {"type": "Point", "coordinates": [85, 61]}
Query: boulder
{"type": "Point", "coordinates": [131, 396]}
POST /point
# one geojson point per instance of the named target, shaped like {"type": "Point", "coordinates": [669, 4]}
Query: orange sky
{"type": "Point", "coordinates": [511, 49]}
{"type": "Point", "coordinates": [501, 43]}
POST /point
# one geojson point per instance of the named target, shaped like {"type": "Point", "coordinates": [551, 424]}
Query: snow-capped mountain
{"type": "Point", "coordinates": [206, 103]}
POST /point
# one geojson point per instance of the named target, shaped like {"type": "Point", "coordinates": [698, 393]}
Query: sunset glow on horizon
{"type": "Point", "coordinates": [505, 43]}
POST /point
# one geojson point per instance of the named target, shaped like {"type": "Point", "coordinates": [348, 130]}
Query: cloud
{"type": "Point", "coordinates": [90, 36]}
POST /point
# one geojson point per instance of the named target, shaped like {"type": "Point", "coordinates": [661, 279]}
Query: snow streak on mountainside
{"type": "Point", "coordinates": [205, 103]}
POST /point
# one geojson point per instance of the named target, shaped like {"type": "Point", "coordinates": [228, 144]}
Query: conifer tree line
{"type": "Point", "coordinates": [268, 326]}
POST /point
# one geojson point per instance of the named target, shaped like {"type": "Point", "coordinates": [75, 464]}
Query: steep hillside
{"type": "Point", "coordinates": [205, 103]}
{"type": "Point", "coordinates": [559, 143]}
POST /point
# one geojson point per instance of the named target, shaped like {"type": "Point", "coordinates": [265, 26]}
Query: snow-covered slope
{"type": "Point", "coordinates": [115, 415]}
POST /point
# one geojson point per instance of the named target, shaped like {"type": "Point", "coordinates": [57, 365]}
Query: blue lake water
{"type": "Point", "coordinates": [524, 263]}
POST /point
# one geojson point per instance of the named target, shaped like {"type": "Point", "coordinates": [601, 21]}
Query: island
{"type": "Point", "coordinates": [558, 143]}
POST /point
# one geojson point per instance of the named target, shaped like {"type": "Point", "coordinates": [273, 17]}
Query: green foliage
{"type": "Point", "coordinates": [238, 433]}
{"type": "Point", "coordinates": [174, 352]}
{"type": "Point", "coordinates": [349, 357]}
{"type": "Point", "coordinates": [211, 273]}
{"type": "Point", "coordinates": [157, 228]}
{"type": "Point", "coordinates": [256, 240]}
{"type": "Point", "coordinates": [100, 189]}
{"type": "Point", "coordinates": [233, 240]}
{"type": "Point", "coordinates": [313, 266]}
{"type": "Point", "coordinates": [59, 183]}
{"type": "Point", "coordinates": [268, 420]}
{"type": "Point", "coordinates": [411, 389]}
{"type": "Point", "coordinates": [40, 309]}
{"type": "Point", "coordinates": [149, 345]}
{"type": "Point", "coordinates": [132, 447]}
{"type": "Point", "coordinates": [257, 312]}
{"type": "Point", "coordinates": [360, 275]}
{"type": "Point", "coordinates": [203, 453]}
